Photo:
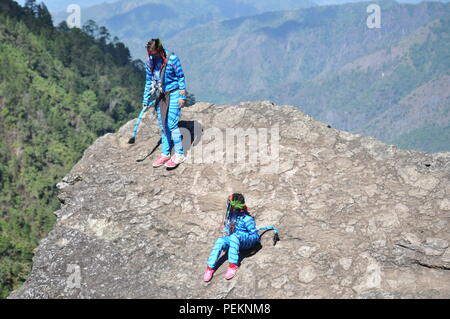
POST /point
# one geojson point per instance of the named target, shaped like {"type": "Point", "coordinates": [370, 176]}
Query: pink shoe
{"type": "Point", "coordinates": [161, 160]}
{"type": "Point", "coordinates": [231, 271]}
{"type": "Point", "coordinates": [208, 274]}
{"type": "Point", "coordinates": [175, 160]}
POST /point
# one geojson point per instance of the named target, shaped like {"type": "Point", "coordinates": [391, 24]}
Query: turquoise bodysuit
{"type": "Point", "coordinates": [173, 80]}
{"type": "Point", "coordinates": [244, 236]}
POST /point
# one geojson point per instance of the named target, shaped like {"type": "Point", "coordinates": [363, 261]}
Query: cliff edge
{"type": "Point", "coordinates": [357, 218]}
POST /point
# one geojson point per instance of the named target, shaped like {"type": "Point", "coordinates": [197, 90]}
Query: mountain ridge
{"type": "Point", "coordinates": [318, 71]}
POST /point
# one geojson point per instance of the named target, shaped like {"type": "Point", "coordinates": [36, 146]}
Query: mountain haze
{"type": "Point", "coordinates": [328, 63]}
{"type": "Point", "coordinates": [136, 21]}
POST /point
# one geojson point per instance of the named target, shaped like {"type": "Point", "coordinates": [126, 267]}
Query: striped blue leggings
{"type": "Point", "coordinates": [171, 136]}
{"type": "Point", "coordinates": [233, 243]}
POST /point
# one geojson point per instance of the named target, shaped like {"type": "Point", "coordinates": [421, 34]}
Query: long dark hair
{"type": "Point", "coordinates": [156, 45]}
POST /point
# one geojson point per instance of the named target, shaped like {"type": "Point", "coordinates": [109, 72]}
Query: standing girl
{"type": "Point", "coordinates": [165, 78]}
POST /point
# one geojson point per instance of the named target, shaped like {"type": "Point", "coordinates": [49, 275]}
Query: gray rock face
{"type": "Point", "coordinates": [357, 218]}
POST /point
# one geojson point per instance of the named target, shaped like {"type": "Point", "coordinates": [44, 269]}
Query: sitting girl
{"type": "Point", "coordinates": [242, 234]}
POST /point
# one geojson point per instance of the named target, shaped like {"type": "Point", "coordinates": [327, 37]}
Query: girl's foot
{"type": "Point", "coordinates": [161, 160]}
{"type": "Point", "coordinates": [208, 274]}
{"type": "Point", "coordinates": [231, 271]}
{"type": "Point", "coordinates": [175, 160]}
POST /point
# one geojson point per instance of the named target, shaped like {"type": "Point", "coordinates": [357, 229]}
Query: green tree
{"type": "Point", "coordinates": [60, 89]}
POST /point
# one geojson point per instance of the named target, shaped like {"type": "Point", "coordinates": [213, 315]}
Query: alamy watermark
{"type": "Point", "coordinates": [74, 19]}
{"type": "Point", "coordinates": [374, 19]}
{"type": "Point", "coordinates": [74, 279]}
{"type": "Point", "coordinates": [244, 146]}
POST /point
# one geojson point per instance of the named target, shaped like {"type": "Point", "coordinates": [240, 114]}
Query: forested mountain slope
{"type": "Point", "coordinates": [326, 61]}
{"type": "Point", "coordinates": [60, 89]}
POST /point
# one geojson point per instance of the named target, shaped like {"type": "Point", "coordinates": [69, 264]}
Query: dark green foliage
{"type": "Point", "coordinates": [329, 63]}
{"type": "Point", "coordinates": [60, 89]}
{"type": "Point", "coordinates": [364, 98]}
{"type": "Point", "coordinates": [431, 137]}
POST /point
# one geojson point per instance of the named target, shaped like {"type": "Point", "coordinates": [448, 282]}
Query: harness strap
{"type": "Point", "coordinates": [163, 69]}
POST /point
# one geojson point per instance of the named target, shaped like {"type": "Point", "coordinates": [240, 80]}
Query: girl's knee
{"type": "Point", "coordinates": [172, 122]}
{"type": "Point", "coordinates": [220, 241]}
{"type": "Point", "coordinates": [174, 129]}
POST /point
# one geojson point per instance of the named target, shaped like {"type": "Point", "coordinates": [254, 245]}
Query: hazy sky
{"type": "Point", "coordinates": [61, 5]}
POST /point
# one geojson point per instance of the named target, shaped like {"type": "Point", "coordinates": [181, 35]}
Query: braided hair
{"type": "Point", "coordinates": [236, 206]}
{"type": "Point", "coordinates": [156, 45]}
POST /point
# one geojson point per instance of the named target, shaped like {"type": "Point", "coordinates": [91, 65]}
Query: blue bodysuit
{"type": "Point", "coordinates": [245, 236]}
{"type": "Point", "coordinates": [173, 80]}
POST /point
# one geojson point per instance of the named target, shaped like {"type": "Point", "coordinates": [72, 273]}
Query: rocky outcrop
{"type": "Point", "coordinates": [357, 218]}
